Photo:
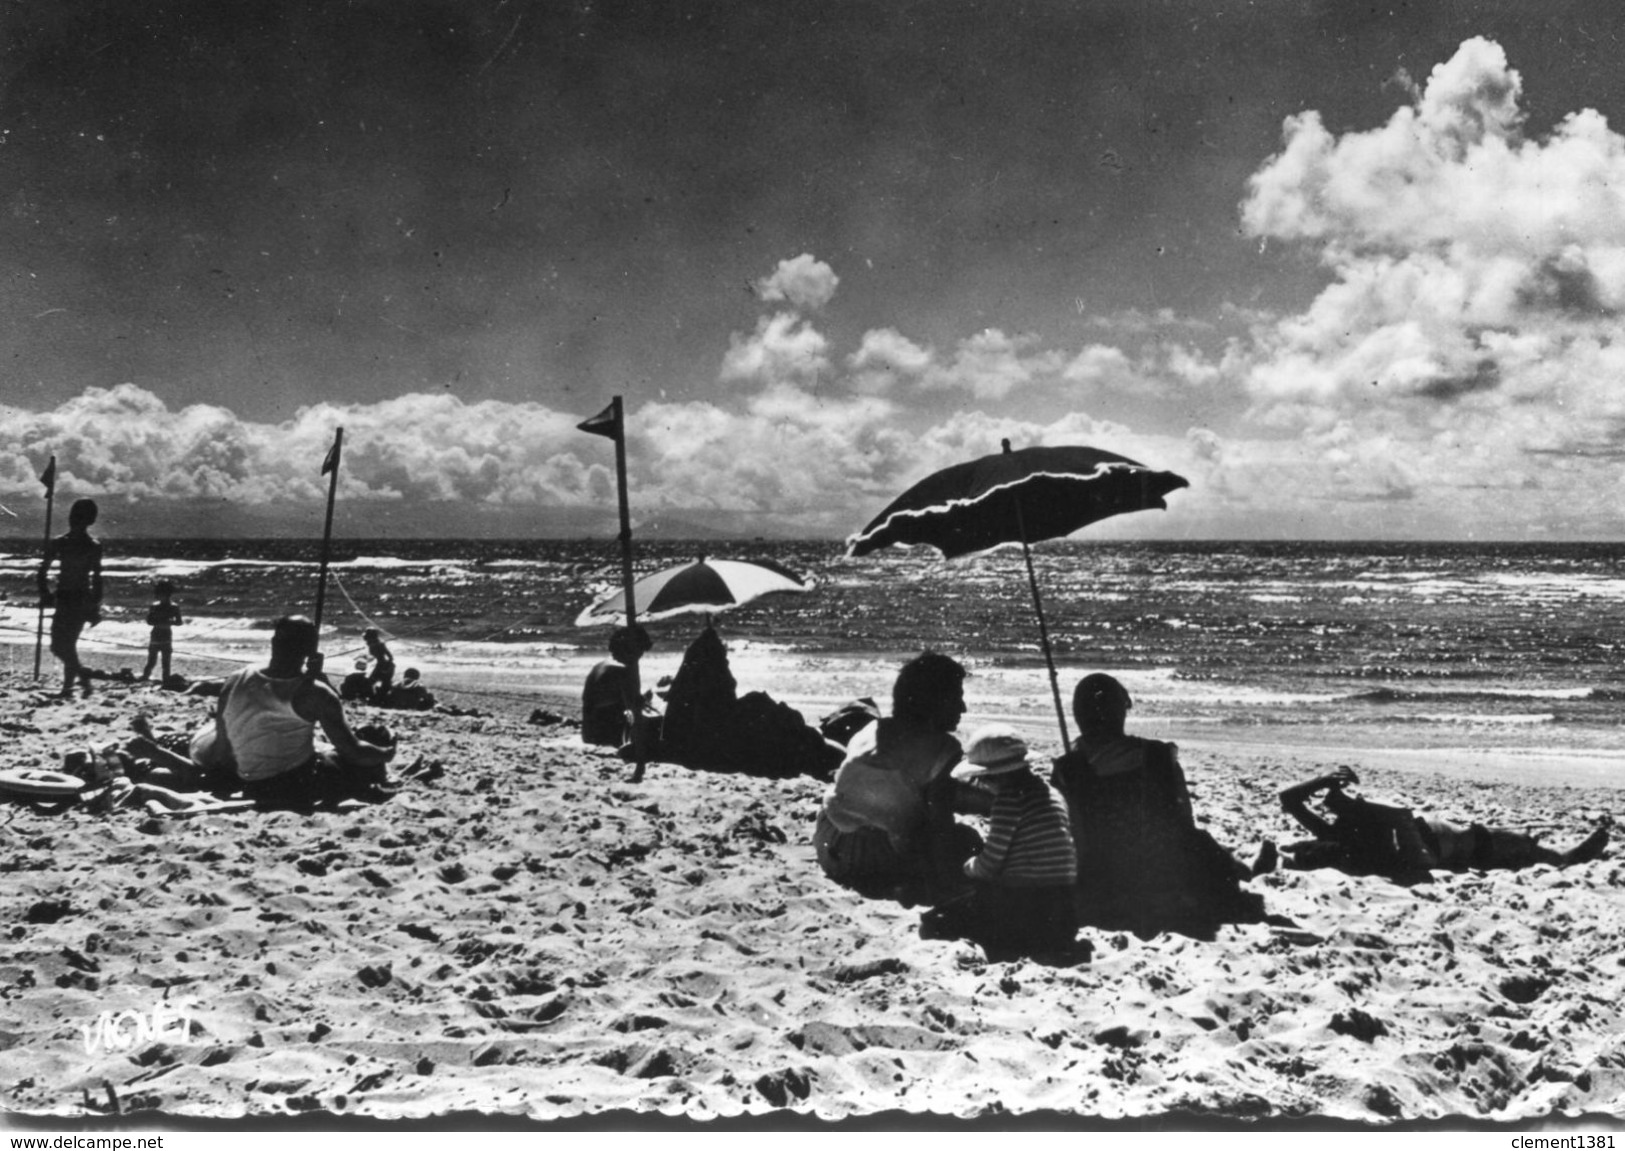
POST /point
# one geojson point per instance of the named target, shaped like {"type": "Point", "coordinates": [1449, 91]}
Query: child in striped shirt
{"type": "Point", "coordinates": [1021, 896]}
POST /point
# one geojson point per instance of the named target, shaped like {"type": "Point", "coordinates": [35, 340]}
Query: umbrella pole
{"type": "Point", "coordinates": [1043, 630]}
{"type": "Point", "coordinates": [1043, 640]}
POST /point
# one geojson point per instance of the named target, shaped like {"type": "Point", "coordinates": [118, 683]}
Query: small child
{"type": "Point", "coordinates": [382, 676]}
{"type": "Point", "coordinates": [162, 616]}
{"type": "Point", "coordinates": [1021, 897]}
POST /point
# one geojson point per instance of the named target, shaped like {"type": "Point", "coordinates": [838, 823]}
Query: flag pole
{"type": "Point", "coordinates": [1043, 630]}
{"type": "Point", "coordinates": [611, 422]}
{"type": "Point", "coordinates": [329, 465]}
{"type": "Point", "coordinates": [626, 513]}
{"type": "Point", "coordinates": [626, 583]}
{"type": "Point", "coordinates": [49, 478]}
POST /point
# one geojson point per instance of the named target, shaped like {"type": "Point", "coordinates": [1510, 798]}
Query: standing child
{"type": "Point", "coordinates": [382, 676]}
{"type": "Point", "coordinates": [1021, 898]}
{"type": "Point", "coordinates": [78, 595]}
{"type": "Point", "coordinates": [162, 617]}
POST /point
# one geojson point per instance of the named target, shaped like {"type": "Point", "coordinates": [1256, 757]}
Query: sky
{"type": "Point", "coordinates": [1354, 271]}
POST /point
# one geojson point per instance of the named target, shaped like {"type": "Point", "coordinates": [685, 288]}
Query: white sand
{"type": "Point", "coordinates": [531, 934]}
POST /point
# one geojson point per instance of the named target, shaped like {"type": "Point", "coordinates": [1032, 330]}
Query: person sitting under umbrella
{"type": "Point", "coordinates": [1143, 864]}
{"type": "Point", "coordinates": [707, 724]}
{"type": "Point", "coordinates": [886, 828]}
{"type": "Point", "coordinates": [1365, 837]}
{"type": "Point", "coordinates": [1020, 900]}
{"type": "Point", "coordinates": [608, 699]}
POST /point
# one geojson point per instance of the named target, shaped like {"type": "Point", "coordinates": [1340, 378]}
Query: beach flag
{"type": "Point", "coordinates": [606, 423]}
{"type": "Point", "coordinates": [331, 463]}
{"type": "Point", "coordinates": [48, 476]}
{"type": "Point", "coordinates": [330, 466]}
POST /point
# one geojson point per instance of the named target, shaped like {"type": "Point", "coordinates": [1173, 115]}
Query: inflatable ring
{"type": "Point", "coordinates": [37, 784]}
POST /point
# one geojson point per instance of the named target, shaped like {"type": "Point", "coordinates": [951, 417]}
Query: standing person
{"type": "Point", "coordinates": [887, 826]}
{"type": "Point", "coordinates": [608, 703]}
{"type": "Point", "coordinates": [1021, 899]}
{"type": "Point", "coordinates": [162, 617]}
{"type": "Point", "coordinates": [78, 596]}
{"type": "Point", "coordinates": [382, 676]}
{"type": "Point", "coordinates": [1143, 864]}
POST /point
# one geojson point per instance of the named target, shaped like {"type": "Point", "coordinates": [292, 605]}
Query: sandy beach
{"type": "Point", "coordinates": [530, 935]}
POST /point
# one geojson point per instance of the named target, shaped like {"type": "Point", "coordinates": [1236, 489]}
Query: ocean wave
{"type": "Point", "coordinates": [1293, 718]}
{"type": "Point", "coordinates": [1387, 695]}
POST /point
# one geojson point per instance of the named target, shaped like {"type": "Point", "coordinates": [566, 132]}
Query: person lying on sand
{"type": "Point", "coordinates": [1020, 901]}
{"type": "Point", "coordinates": [263, 738]}
{"type": "Point", "coordinates": [1365, 837]}
{"type": "Point", "coordinates": [1143, 864]}
{"type": "Point", "coordinates": [887, 828]}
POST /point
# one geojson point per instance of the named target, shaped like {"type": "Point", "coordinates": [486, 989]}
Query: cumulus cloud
{"type": "Point", "coordinates": [124, 442]}
{"type": "Point", "coordinates": [803, 282]}
{"type": "Point", "coordinates": [782, 349]}
{"type": "Point", "coordinates": [1473, 316]}
{"type": "Point", "coordinates": [990, 365]}
{"type": "Point", "coordinates": [886, 359]}
{"type": "Point", "coordinates": [815, 463]}
{"type": "Point", "coordinates": [1098, 365]}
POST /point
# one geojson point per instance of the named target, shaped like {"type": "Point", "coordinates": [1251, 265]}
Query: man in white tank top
{"type": "Point", "coordinates": [264, 732]}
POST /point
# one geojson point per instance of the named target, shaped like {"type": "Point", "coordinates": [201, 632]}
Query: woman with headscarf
{"type": "Point", "coordinates": [1143, 864]}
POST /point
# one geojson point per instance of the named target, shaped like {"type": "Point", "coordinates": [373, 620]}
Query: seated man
{"type": "Point", "coordinates": [1365, 837]}
{"type": "Point", "coordinates": [263, 738]}
{"type": "Point", "coordinates": [887, 828]}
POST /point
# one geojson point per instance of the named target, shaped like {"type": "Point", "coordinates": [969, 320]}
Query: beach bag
{"type": "Point", "coordinates": [773, 740]}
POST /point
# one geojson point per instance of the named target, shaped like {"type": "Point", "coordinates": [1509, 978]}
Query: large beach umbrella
{"type": "Point", "coordinates": [1017, 497]}
{"type": "Point", "coordinates": [704, 585]}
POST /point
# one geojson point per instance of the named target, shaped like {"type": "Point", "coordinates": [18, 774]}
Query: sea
{"type": "Point", "coordinates": [1506, 645]}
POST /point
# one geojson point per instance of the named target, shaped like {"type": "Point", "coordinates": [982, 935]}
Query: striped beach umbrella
{"type": "Point", "coordinates": [705, 585]}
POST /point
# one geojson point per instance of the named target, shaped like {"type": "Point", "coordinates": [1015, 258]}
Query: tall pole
{"type": "Point", "coordinates": [636, 683]}
{"type": "Point", "coordinates": [1038, 607]}
{"type": "Point", "coordinates": [626, 517]}
{"type": "Point", "coordinates": [611, 422]}
{"type": "Point", "coordinates": [49, 476]}
{"type": "Point", "coordinates": [329, 465]}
